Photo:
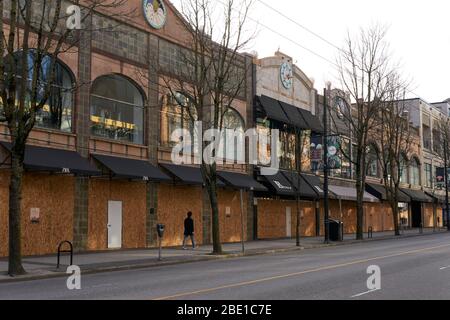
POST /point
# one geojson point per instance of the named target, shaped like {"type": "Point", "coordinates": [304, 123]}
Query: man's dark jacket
{"type": "Point", "coordinates": [188, 226]}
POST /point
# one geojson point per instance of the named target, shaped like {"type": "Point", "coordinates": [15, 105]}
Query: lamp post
{"type": "Point", "coordinates": [447, 213]}
{"type": "Point", "coordinates": [325, 165]}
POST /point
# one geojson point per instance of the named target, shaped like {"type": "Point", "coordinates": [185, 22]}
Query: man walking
{"type": "Point", "coordinates": [189, 230]}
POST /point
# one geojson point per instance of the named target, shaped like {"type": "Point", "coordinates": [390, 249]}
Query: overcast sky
{"type": "Point", "coordinates": [419, 36]}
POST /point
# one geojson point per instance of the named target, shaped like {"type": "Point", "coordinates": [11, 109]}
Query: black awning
{"type": "Point", "coordinates": [313, 122]}
{"type": "Point", "coordinates": [417, 195]}
{"type": "Point", "coordinates": [301, 185]}
{"type": "Point", "coordinates": [241, 181]}
{"type": "Point", "coordinates": [294, 116]}
{"type": "Point", "coordinates": [189, 175]}
{"type": "Point", "coordinates": [55, 160]}
{"type": "Point", "coordinates": [273, 109]}
{"type": "Point", "coordinates": [314, 182]}
{"type": "Point", "coordinates": [280, 184]}
{"type": "Point", "coordinates": [440, 198]}
{"type": "Point", "coordinates": [131, 169]}
{"type": "Point", "coordinates": [379, 191]}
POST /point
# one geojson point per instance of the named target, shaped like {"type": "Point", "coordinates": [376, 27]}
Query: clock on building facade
{"type": "Point", "coordinates": [286, 75]}
{"type": "Point", "coordinates": [155, 13]}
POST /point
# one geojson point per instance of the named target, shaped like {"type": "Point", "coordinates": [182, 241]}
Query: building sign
{"type": "Point", "coordinates": [155, 13]}
{"type": "Point", "coordinates": [334, 158]}
{"type": "Point", "coordinates": [440, 177]}
{"type": "Point", "coordinates": [34, 215]}
{"type": "Point", "coordinates": [281, 186]}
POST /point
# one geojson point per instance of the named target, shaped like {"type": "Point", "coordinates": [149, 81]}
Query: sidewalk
{"type": "Point", "coordinates": [93, 262]}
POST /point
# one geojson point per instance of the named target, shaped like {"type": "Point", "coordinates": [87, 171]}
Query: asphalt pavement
{"type": "Point", "coordinates": [411, 268]}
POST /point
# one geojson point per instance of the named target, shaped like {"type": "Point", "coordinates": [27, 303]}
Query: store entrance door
{"type": "Point", "coordinates": [416, 214]}
{"type": "Point", "coordinates": [114, 224]}
{"type": "Point", "coordinates": [288, 222]}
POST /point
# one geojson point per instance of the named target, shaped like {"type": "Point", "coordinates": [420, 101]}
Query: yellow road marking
{"type": "Point", "coordinates": [246, 283]}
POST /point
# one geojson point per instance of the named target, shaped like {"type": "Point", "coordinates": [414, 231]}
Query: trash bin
{"type": "Point", "coordinates": [336, 230]}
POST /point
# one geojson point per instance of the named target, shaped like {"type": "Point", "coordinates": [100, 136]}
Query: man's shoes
{"type": "Point", "coordinates": [184, 248]}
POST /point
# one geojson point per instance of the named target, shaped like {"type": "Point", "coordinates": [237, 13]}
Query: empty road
{"type": "Point", "coordinates": [411, 268]}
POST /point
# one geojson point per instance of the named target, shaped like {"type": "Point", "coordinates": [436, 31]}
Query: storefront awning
{"type": "Point", "coordinates": [55, 160]}
{"type": "Point", "coordinates": [131, 169]}
{"type": "Point", "coordinates": [314, 182]}
{"type": "Point", "coordinates": [273, 109]}
{"type": "Point", "coordinates": [189, 175]}
{"type": "Point", "coordinates": [417, 195]}
{"type": "Point", "coordinates": [301, 184]}
{"type": "Point", "coordinates": [440, 198]}
{"type": "Point", "coordinates": [294, 116]}
{"type": "Point", "coordinates": [379, 191]}
{"type": "Point", "coordinates": [313, 122]}
{"type": "Point", "coordinates": [346, 193]}
{"type": "Point", "coordinates": [280, 184]}
{"type": "Point", "coordinates": [241, 181]}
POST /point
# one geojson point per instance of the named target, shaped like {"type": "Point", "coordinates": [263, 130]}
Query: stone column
{"type": "Point", "coordinates": [152, 138]}
{"type": "Point", "coordinates": [82, 129]}
{"type": "Point", "coordinates": [250, 92]}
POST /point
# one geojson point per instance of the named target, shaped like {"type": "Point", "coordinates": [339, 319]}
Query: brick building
{"type": "Point", "coordinates": [99, 174]}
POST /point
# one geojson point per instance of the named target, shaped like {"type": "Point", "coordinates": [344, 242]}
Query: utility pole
{"type": "Point", "coordinates": [447, 213]}
{"type": "Point", "coordinates": [325, 166]}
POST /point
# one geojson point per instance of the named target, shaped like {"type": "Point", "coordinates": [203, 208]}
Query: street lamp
{"type": "Point", "coordinates": [325, 163]}
{"type": "Point", "coordinates": [447, 211]}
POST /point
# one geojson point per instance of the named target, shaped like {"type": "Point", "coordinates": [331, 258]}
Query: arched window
{"type": "Point", "coordinates": [117, 109]}
{"type": "Point", "coordinates": [177, 112]}
{"type": "Point", "coordinates": [233, 139]}
{"type": "Point", "coordinates": [57, 110]}
{"type": "Point", "coordinates": [403, 169]}
{"type": "Point", "coordinates": [415, 172]}
{"type": "Point", "coordinates": [372, 158]}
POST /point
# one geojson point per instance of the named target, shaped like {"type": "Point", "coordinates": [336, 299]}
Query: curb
{"type": "Point", "coordinates": [209, 257]}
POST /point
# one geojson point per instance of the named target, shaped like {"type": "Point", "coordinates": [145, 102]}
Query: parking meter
{"type": "Point", "coordinates": [160, 229]}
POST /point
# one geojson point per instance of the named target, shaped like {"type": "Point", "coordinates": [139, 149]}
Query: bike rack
{"type": "Point", "coordinates": [65, 251]}
{"type": "Point", "coordinates": [370, 233]}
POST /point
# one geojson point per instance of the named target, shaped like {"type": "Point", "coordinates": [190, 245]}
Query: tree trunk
{"type": "Point", "coordinates": [395, 213]}
{"type": "Point", "coordinates": [15, 200]}
{"type": "Point", "coordinates": [212, 192]}
{"type": "Point", "coordinates": [359, 206]}
{"type": "Point", "coordinates": [297, 228]}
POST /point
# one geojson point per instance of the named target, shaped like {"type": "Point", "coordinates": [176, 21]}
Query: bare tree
{"type": "Point", "coordinates": [443, 129]}
{"type": "Point", "coordinates": [211, 74]}
{"type": "Point", "coordinates": [364, 66]}
{"type": "Point", "coordinates": [395, 137]}
{"type": "Point", "coordinates": [33, 36]}
{"type": "Point", "coordinates": [296, 143]}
